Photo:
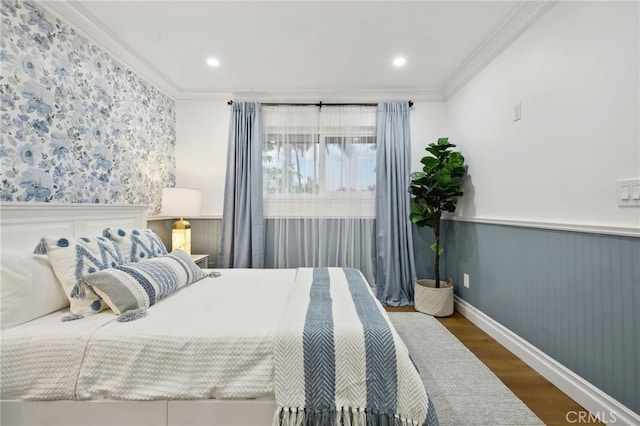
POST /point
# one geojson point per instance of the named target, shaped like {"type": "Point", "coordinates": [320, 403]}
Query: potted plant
{"type": "Point", "coordinates": [435, 190]}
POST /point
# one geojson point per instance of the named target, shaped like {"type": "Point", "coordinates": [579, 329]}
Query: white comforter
{"type": "Point", "coordinates": [213, 339]}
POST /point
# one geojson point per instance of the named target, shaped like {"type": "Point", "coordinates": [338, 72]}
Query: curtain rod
{"type": "Point", "coordinates": [318, 104]}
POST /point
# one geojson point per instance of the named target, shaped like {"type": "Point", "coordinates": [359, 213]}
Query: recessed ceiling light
{"type": "Point", "coordinates": [399, 61]}
{"type": "Point", "coordinates": [213, 62]}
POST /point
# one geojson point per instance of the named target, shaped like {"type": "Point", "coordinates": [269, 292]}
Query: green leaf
{"type": "Point", "coordinates": [440, 249]}
{"type": "Point", "coordinates": [418, 209]}
{"type": "Point", "coordinates": [429, 162]}
{"type": "Point", "coordinates": [434, 150]}
{"type": "Point", "coordinates": [417, 175]}
{"type": "Point", "coordinates": [443, 178]}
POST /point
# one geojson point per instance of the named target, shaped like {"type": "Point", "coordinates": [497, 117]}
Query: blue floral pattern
{"type": "Point", "coordinates": [76, 126]}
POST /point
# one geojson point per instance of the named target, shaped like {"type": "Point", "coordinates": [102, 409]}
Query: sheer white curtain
{"type": "Point", "coordinates": [319, 186]}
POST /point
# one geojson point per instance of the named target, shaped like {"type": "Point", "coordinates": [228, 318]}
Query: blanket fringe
{"type": "Point", "coordinates": [41, 248]}
{"type": "Point", "coordinates": [72, 317]}
{"type": "Point", "coordinates": [341, 416]}
{"type": "Point", "coordinates": [351, 417]}
{"type": "Point", "coordinates": [132, 315]}
{"type": "Point", "coordinates": [289, 416]}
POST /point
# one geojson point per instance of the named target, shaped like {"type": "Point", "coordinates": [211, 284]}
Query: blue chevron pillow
{"type": "Point", "coordinates": [136, 244]}
{"type": "Point", "coordinates": [141, 284]}
{"type": "Point", "coordinates": [71, 258]}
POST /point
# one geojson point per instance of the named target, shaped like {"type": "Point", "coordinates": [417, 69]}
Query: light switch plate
{"type": "Point", "coordinates": [517, 111]}
{"type": "Point", "coordinates": [629, 192]}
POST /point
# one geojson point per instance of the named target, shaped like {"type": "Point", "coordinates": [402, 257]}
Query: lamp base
{"type": "Point", "coordinates": [181, 236]}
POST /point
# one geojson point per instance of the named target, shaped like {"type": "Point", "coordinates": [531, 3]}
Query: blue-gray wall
{"type": "Point", "coordinates": [573, 295]}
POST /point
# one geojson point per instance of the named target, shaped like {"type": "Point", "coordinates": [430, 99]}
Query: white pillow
{"type": "Point", "coordinates": [29, 288]}
{"type": "Point", "coordinates": [136, 244]}
{"type": "Point", "coordinates": [71, 258]}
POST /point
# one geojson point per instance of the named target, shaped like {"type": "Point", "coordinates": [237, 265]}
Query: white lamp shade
{"type": "Point", "coordinates": [181, 202]}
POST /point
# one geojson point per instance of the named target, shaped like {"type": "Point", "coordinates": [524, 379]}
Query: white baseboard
{"type": "Point", "coordinates": [599, 404]}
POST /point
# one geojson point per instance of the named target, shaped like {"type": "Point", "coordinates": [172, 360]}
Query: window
{"type": "Point", "coordinates": [291, 164]}
{"type": "Point", "coordinates": [319, 161]}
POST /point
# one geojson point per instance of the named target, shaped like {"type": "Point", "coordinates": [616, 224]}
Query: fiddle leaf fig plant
{"type": "Point", "coordinates": [436, 189]}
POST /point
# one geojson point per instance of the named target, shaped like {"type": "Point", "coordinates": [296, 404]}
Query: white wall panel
{"type": "Point", "coordinates": [201, 150]}
{"type": "Point", "coordinates": [428, 122]}
{"type": "Point", "coordinates": [575, 71]}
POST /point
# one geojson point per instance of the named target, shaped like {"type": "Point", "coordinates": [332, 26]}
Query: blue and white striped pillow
{"type": "Point", "coordinates": [141, 284]}
{"type": "Point", "coordinates": [136, 244]}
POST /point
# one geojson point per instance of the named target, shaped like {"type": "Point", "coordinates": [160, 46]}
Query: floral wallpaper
{"type": "Point", "coordinates": [77, 127]}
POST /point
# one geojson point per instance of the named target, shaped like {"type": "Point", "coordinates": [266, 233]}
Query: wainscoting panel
{"type": "Point", "coordinates": [573, 295]}
{"type": "Point", "coordinates": [424, 257]}
{"type": "Point", "coordinates": [205, 236]}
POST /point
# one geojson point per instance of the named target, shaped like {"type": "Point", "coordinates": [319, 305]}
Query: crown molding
{"type": "Point", "coordinates": [500, 38]}
{"type": "Point", "coordinates": [584, 228]}
{"type": "Point", "coordinates": [90, 27]}
{"type": "Point", "coordinates": [373, 95]}
{"type": "Point", "coordinates": [202, 95]}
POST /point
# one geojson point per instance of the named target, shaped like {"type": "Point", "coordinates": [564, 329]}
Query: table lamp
{"type": "Point", "coordinates": [181, 202]}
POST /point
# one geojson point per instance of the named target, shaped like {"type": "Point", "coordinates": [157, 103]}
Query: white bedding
{"type": "Point", "coordinates": [213, 339]}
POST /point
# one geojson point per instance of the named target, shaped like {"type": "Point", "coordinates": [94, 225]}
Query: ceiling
{"type": "Point", "coordinates": [302, 49]}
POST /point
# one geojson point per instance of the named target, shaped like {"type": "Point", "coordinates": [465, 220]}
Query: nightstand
{"type": "Point", "coordinates": [202, 260]}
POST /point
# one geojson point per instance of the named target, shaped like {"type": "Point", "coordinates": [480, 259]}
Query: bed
{"type": "Point", "coordinates": [242, 347]}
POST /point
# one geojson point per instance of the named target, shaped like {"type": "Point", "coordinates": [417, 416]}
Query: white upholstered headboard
{"type": "Point", "coordinates": [23, 224]}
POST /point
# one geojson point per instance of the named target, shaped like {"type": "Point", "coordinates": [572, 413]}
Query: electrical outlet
{"type": "Point", "coordinates": [466, 280]}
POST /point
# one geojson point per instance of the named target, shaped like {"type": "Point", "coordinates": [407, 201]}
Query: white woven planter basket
{"type": "Point", "coordinates": [434, 301]}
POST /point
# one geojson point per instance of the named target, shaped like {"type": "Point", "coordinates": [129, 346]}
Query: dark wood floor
{"type": "Point", "coordinates": [550, 404]}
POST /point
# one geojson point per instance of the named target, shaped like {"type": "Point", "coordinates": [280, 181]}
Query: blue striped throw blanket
{"type": "Point", "coordinates": [338, 360]}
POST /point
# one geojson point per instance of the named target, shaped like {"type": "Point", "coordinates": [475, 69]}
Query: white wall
{"type": "Point", "coordinates": [576, 73]}
{"type": "Point", "coordinates": [428, 121]}
{"type": "Point", "coordinates": [201, 150]}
